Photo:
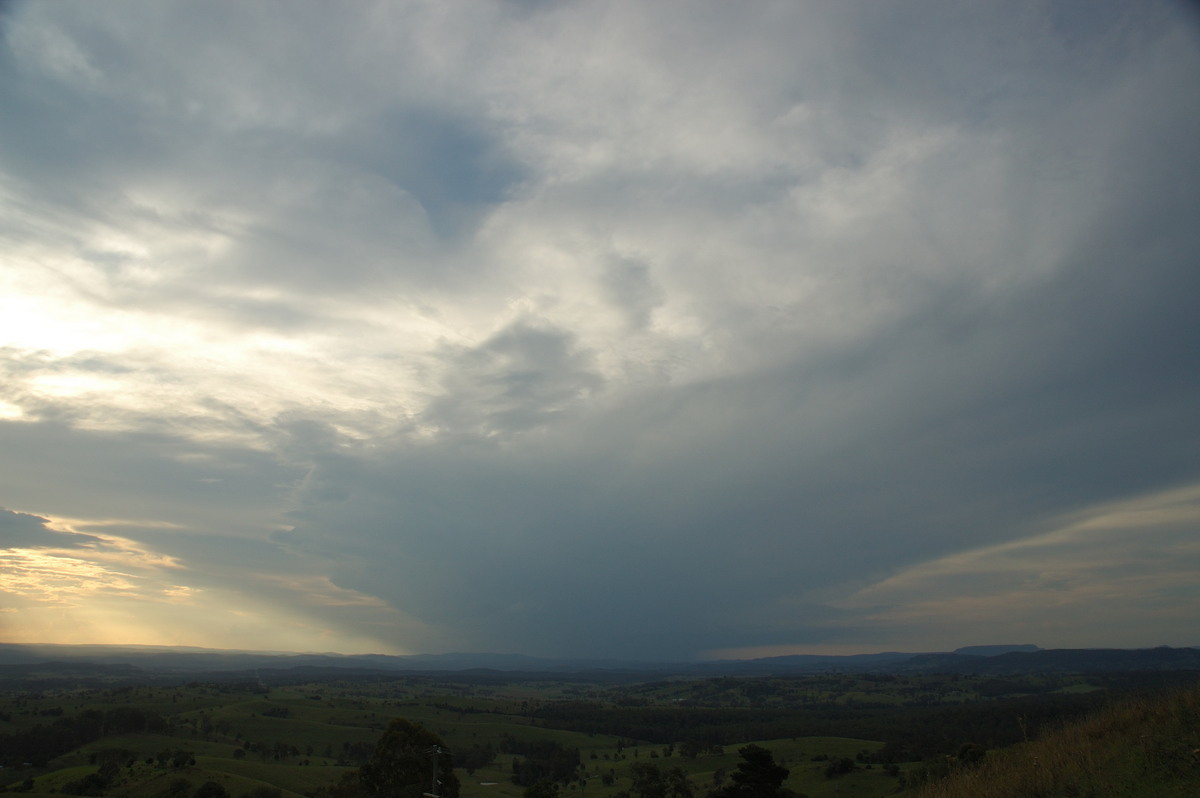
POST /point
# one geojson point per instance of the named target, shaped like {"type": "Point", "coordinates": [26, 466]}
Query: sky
{"type": "Point", "coordinates": [600, 328]}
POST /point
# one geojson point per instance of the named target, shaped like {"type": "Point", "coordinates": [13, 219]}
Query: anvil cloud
{"type": "Point", "coordinates": [647, 330]}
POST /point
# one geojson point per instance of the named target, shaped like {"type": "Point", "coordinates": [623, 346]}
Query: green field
{"type": "Point", "coordinates": [301, 739]}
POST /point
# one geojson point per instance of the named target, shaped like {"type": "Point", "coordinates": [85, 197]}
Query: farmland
{"type": "Point", "coordinates": [297, 736]}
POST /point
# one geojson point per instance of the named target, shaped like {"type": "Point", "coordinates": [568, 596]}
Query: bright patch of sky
{"type": "Point", "coordinates": [643, 330]}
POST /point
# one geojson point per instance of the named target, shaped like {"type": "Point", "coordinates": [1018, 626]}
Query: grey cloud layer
{"type": "Point", "coordinates": [615, 329]}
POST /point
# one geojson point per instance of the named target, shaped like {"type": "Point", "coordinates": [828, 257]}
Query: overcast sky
{"type": "Point", "coordinates": [620, 329]}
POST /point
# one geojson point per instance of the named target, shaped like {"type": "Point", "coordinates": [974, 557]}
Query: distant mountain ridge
{"type": "Point", "coordinates": [23, 662]}
{"type": "Point", "coordinates": [991, 651]}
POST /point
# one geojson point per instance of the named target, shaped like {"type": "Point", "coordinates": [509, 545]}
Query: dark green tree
{"type": "Point", "coordinates": [477, 756]}
{"type": "Point", "coordinates": [757, 775]}
{"type": "Point", "coordinates": [647, 780]}
{"type": "Point", "coordinates": [541, 789]}
{"type": "Point", "coordinates": [177, 788]}
{"type": "Point", "coordinates": [839, 767]}
{"type": "Point", "coordinates": [178, 758]}
{"type": "Point", "coordinates": [404, 762]}
{"type": "Point", "coordinates": [651, 782]}
{"type": "Point", "coordinates": [677, 784]}
{"type": "Point", "coordinates": [211, 789]}
{"type": "Point", "coordinates": [971, 753]}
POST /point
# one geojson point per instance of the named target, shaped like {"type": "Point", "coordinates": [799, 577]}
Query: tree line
{"type": "Point", "coordinates": [40, 744]}
{"type": "Point", "coordinates": [910, 733]}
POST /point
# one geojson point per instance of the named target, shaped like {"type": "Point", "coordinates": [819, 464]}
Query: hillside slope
{"type": "Point", "coordinates": [1149, 747]}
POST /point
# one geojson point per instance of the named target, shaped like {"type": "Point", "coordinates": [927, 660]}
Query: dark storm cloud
{"type": "Point", "coordinates": [718, 512]}
{"type": "Point", "coordinates": [455, 168]}
{"type": "Point", "coordinates": [525, 376]}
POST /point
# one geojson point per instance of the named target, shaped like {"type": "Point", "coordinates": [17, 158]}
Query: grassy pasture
{"type": "Point", "coordinates": [293, 737]}
{"type": "Point", "coordinates": [299, 779]}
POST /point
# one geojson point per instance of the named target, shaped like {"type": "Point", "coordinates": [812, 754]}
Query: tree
{"type": "Point", "coordinates": [177, 788]}
{"type": "Point", "coordinates": [477, 756]}
{"type": "Point", "coordinates": [647, 780]}
{"type": "Point", "coordinates": [971, 753]}
{"type": "Point", "coordinates": [757, 775]}
{"type": "Point", "coordinates": [542, 789]}
{"type": "Point", "coordinates": [651, 782]}
{"type": "Point", "coordinates": [211, 789]}
{"type": "Point", "coordinates": [677, 784]}
{"type": "Point", "coordinates": [839, 767]}
{"type": "Point", "coordinates": [181, 759]}
{"type": "Point", "coordinates": [404, 763]}
{"type": "Point", "coordinates": [545, 759]}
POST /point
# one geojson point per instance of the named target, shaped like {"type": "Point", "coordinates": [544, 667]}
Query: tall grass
{"type": "Point", "coordinates": [1147, 747]}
